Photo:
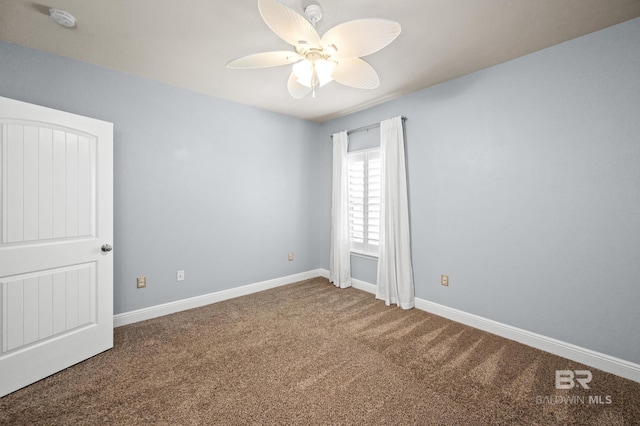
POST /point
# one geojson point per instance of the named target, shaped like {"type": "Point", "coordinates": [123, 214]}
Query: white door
{"type": "Point", "coordinates": [56, 213]}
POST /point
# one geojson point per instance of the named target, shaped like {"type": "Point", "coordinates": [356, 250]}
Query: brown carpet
{"type": "Point", "coordinates": [309, 353]}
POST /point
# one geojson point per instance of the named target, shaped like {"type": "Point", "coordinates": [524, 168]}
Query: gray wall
{"type": "Point", "coordinates": [524, 184]}
{"type": "Point", "coordinates": [215, 188]}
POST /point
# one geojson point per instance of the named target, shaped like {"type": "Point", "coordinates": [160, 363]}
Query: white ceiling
{"type": "Point", "coordinates": [188, 43]}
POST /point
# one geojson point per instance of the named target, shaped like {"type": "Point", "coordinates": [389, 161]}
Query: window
{"type": "Point", "coordinates": [364, 201]}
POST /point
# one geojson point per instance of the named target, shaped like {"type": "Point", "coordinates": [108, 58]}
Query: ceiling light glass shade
{"type": "Point", "coordinates": [324, 70]}
{"type": "Point", "coordinates": [314, 74]}
{"type": "Point", "coordinates": [303, 71]}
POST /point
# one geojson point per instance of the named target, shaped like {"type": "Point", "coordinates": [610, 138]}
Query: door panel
{"type": "Point", "coordinates": [56, 285]}
{"type": "Point", "coordinates": [49, 184]}
{"type": "Point", "coordinates": [47, 303]}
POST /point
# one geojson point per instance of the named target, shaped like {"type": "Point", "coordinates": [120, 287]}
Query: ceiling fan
{"type": "Point", "coordinates": [318, 60]}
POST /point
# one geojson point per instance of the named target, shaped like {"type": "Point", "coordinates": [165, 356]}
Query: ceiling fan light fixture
{"type": "Point", "coordinates": [314, 73]}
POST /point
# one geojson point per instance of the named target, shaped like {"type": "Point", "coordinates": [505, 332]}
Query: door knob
{"type": "Point", "coordinates": [106, 248]}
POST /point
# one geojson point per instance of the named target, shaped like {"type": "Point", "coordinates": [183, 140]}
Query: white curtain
{"type": "Point", "coordinates": [395, 274]}
{"type": "Point", "coordinates": [340, 261]}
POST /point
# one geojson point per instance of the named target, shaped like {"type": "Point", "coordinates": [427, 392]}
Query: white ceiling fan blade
{"type": "Point", "coordinates": [361, 37]}
{"type": "Point", "coordinates": [296, 89]}
{"type": "Point", "coordinates": [287, 23]}
{"type": "Point", "coordinates": [264, 60]}
{"type": "Point", "coordinates": [355, 72]}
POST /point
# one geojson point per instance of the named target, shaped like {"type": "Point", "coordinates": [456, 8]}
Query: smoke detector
{"type": "Point", "coordinates": [63, 18]}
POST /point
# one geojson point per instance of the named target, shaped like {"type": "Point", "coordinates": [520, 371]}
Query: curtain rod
{"type": "Point", "coordinates": [367, 127]}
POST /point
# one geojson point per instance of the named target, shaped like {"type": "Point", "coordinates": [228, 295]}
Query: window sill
{"type": "Point", "coordinates": [365, 255]}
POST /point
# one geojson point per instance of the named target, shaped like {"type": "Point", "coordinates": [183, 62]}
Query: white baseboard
{"type": "Point", "coordinates": [364, 286]}
{"type": "Point", "coordinates": [207, 299]}
{"type": "Point", "coordinates": [355, 283]}
{"type": "Point", "coordinates": [610, 364]}
{"type": "Point", "coordinates": [604, 362]}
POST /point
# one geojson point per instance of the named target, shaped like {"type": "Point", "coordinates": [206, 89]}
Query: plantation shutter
{"type": "Point", "coordinates": [373, 201]}
{"type": "Point", "coordinates": [364, 201]}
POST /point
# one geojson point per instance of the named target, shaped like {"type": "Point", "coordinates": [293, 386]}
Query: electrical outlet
{"type": "Point", "coordinates": [180, 276]}
{"type": "Point", "coordinates": [142, 282]}
{"type": "Point", "coordinates": [290, 257]}
{"type": "Point", "coordinates": [444, 280]}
